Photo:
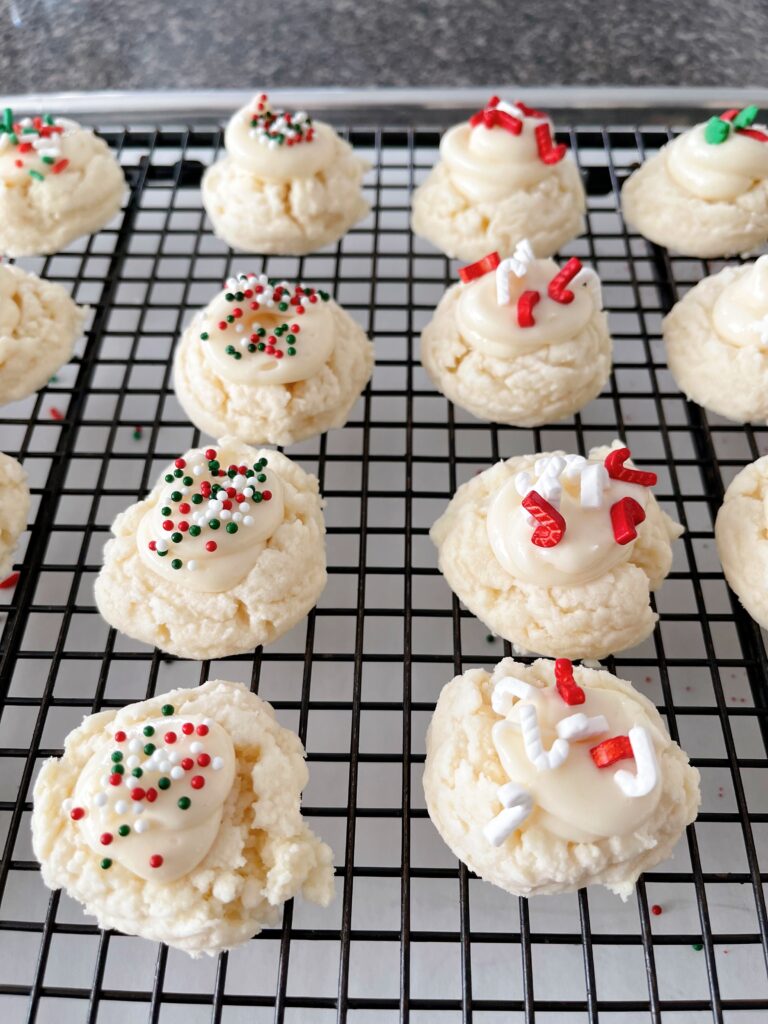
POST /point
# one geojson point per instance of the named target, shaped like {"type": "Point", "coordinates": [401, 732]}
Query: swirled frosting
{"type": "Point", "coordinates": [260, 331]}
{"type": "Point", "coordinates": [209, 523]}
{"type": "Point", "coordinates": [277, 145]}
{"type": "Point", "coordinates": [32, 149]}
{"type": "Point", "coordinates": [577, 800]}
{"type": "Point", "coordinates": [151, 797]}
{"type": "Point", "coordinates": [716, 172]}
{"type": "Point", "coordinates": [740, 313]}
{"type": "Point", "coordinates": [584, 493]}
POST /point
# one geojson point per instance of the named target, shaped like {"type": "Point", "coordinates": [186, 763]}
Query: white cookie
{"type": "Point", "coordinates": [218, 576]}
{"type": "Point", "coordinates": [202, 861]}
{"type": "Point", "coordinates": [742, 544]}
{"type": "Point", "coordinates": [478, 356]}
{"type": "Point", "coordinates": [702, 199]}
{"type": "Point", "coordinates": [234, 381]}
{"type": "Point", "coordinates": [39, 325]}
{"type": "Point", "coordinates": [14, 508]}
{"type": "Point", "coordinates": [586, 596]}
{"type": "Point", "coordinates": [565, 824]}
{"type": "Point", "coordinates": [277, 198]}
{"type": "Point", "coordinates": [66, 184]}
{"type": "Point", "coordinates": [491, 188]}
{"type": "Point", "coordinates": [717, 342]}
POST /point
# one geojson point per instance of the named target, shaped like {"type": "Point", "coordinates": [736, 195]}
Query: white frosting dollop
{"type": "Point", "coordinates": [583, 493]}
{"type": "Point", "coordinates": [721, 171]}
{"type": "Point", "coordinates": [740, 313]}
{"type": "Point", "coordinates": [160, 824]}
{"type": "Point", "coordinates": [278, 162]}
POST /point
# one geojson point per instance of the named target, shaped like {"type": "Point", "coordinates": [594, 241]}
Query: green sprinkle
{"type": "Point", "coordinates": [230, 319]}
{"type": "Point", "coordinates": [14, 138]}
{"type": "Point", "coordinates": [229, 296]}
{"type": "Point", "coordinates": [48, 119]}
{"type": "Point", "coordinates": [183, 802]}
{"type": "Point", "coordinates": [698, 946]}
{"type": "Point", "coordinates": [231, 527]}
{"type": "Point", "coordinates": [161, 553]}
{"type": "Point", "coordinates": [137, 773]}
{"type": "Point", "coordinates": [187, 481]}
{"type": "Point", "coordinates": [238, 355]}
{"type": "Point", "coordinates": [324, 296]}
{"type": "Point", "coordinates": [7, 119]}
{"type": "Point", "coordinates": [746, 117]}
{"type": "Point", "coordinates": [282, 306]}
{"type": "Point", "coordinates": [163, 783]}
{"type": "Point", "coordinates": [490, 638]}
{"type": "Point", "coordinates": [291, 351]}
{"type": "Point", "coordinates": [177, 473]}
{"type": "Point", "coordinates": [716, 131]}
{"type": "Point", "coordinates": [118, 769]}
{"type": "Point", "coordinates": [36, 175]}
{"type": "Point", "coordinates": [261, 477]}
{"type": "Point", "coordinates": [106, 863]}
{"type": "Point", "coordinates": [167, 709]}
{"type": "Point", "coordinates": [117, 756]}
{"type": "Point", "coordinates": [149, 749]}
{"type": "Point", "coordinates": [251, 347]}
{"type": "Point", "coordinates": [149, 730]}
{"type": "Point", "coordinates": [196, 499]}
{"type": "Point", "coordinates": [176, 495]}
{"type": "Point", "coordinates": [176, 563]}
{"type": "Point", "coordinates": [262, 332]}
{"type": "Point", "coordinates": [165, 510]}
{"type": "Point", "coordinates": [169, 478]}
{"type": "Point", "coordinates": [137, 434]}
{"type": "Point", "coordinates": [213, 465]}
{"type": "Point", "coordinates": [123, 830]}
{"type": "Point", "coordinates": [177, 538]}
{"type": "Point", "coordinates": [257, 496]}
{"type": "Point", "coordinates": [230, 350]}
{"type": "Point", "coordinates": [261, 346]}
{"type": "Point", "coordinates": [214, 524]}
{"type": "Point", "coordinates": [204, 336]}
{"type": "Point", "coordinates": [194, 531]}
{"type": "Point", "coordinates": [290, 338]}
{"type": "Point", "coordinates": [232, 473]}
{"type": "Point", "coordinates": [47, 159]}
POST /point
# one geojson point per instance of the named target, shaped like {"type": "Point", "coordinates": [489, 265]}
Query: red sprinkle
{"type": "Point", "coordinates": [120, 736]}
{"type": "Point", "coordinates": [197, 782]}
{"type": "Point", "coordinates": [202, 730]}
{"type": "Point", "coordinates": [56, 414]}
{"type": "Point", "coordinates": [115, 779]}
{"type": "Point", "coordinates": [183, 526]}
{"type": "Point", "coordinates": [167, 524]}
{"type": "Point", "coordinates": [10, 581]}
{"type": "Point", "coordinates": [105, 838]}
{"type": "Point", "coordinates": [151, 794]}
{"type": "Point", "coordinates": [478, 269]}
{"type": "Point", "coordinates": [625, 515]}
{"type": "Point", "coordinates": [170, 737]}
{"type": "Point", "coordinates": [266, 495]}
{"type": "Point", "coordinates": [728, 115]}
{"type": "Point", "coordinates": [549, 153]}
{"type": "Point", "coordinates": [184, 508]}
{"type": "Point", "coordinates": [211, 545]}
{"type": "Point", "coordinates": [614, 463]}
{"type": "Point", "coordinates": [187, 763]}
{"type": "Point", "coordinates": [155, 861]}
{"type": "Point", "coordinates": [152, 545]}
{"type": "Point", "coordinates": [656, 909]}
{"type": "Point", "coordinates": [529, 111]}
{"type": "Point", "coordinates": [753, 133]}
{"type": "Point", "coordinates": [210, 453]}
{"type": "Point", "coordinates": [77, 813]}
{"type": "Point", "coordinates": [138, 793]}
{"type": "Point", "coordinates": [188, 728]}
{"type": "Point", "coordinates": [556, 289]}
{"type": "Point", "coordinates": [610, 751]}
{"type": "Point", "coordinates": [551, 525]}
{"type": "Point", "coordinates": [180, 463]}
{"type": "Point", "coordinates": [567, 686]}
{"type": "Point", "coordinates": [203, 760]}
{"type": "Point", "coordinates": [525, 305]}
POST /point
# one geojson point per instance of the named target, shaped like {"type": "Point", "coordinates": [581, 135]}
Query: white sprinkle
{"type": "Point", "coordinates": [196, 747]}
{"type": "Point", "coordinates": [217, 763]}
{"type": "Point", "coordinates": [238, 481]}
{"type": "Point", "coordinates": [644, 754]}
{"type": "Point", "coordinates": [121, 807]}
{"type": "Point", "coordinates": [192, 565]}
{"type": "Point", "coordinates": [248, 492]}
{"type": "Point", "coordinates": [174, 757]}
{"type": "Point", "coordinates": [237, 517]}
{"type": "Point", "coordinates": [244, 507]}
{"type": "Point", "coordinates": [161, 545]}
{"type": "Point", "coordinates": [208, 722]}
{"type": "Point", "coordinates": [507, 688]}
{"type": "Point", "coordinates": [66, 805]}
{"type": "Point", "coordinates": [177, 772]}
{"type": "Point", "coordinates": [100, 799]}
{"type": "Point", "coordinates": [132, 761]}
{"type": "Point", "coordinates": [165, 766]}
{"type": "Point", "coordinates": [197, 470]}
{"type": "Point", "coordinates": [248, 521]}
{"type": "Point", "coordinates": [137, 807]}
{"type": "Point", "coordinates": [581, 726]}
{"type": "Point", "coordinates": [214, 505]}
{"type": "Point", "coordinates": [141, 825]}
{"type": "Point", "coordinates": [225, 514]}
{"type": "Point", "coordinates": [134, 746]}
{"type": "Point", "coordinates": [594, 480]}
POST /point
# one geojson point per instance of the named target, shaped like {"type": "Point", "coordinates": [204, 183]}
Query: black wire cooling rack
{"type": "Point", "coordinates": [412, 935]}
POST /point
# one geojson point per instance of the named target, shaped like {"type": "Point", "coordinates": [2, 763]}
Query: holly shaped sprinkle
{"type": "Point", "coordinates": [551, 525]}
{"type": "Point", "coordinates": [479, 268]}
{"type": "Point", "coordinates": [248, 294]}
{"type": "Point", "coordinates": [275, 128]}
{"type": "Point", "coordinates": [566, 685]}
{"type": "Point", "coordinates": [36, 140]}
{"type": "Point", "coordinates": [614, 463]}
{"type": "Point", "coordinates": [718, 129]}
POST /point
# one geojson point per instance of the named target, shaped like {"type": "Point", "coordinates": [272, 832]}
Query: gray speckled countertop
{"type": "Point", "coordinates": [54, 45]}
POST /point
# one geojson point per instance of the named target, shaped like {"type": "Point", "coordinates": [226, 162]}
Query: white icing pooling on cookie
{"type": "Point", "coordinates": [279, 163]}
{"type": "Point", "coordinates": [256, 518]}
{"type": "Point", "coordinates": [298, 353]}
{"type": "Point", "coordinates": [740, 311]}
{"type": "Point", "coordinates": [588, 550]}
{"type": "Point", "coordinates": [196, 766]}
{"type": "Point", "coordinates": [716, 172]}
{"type": "Point", "coordinates": [491, 327]}
{"type": "Point", "coordinates": [10, 311]}
{"type": "Point", "coordinates": [576, 800]}
{"type": "Point", "coordinates": [487, 164]}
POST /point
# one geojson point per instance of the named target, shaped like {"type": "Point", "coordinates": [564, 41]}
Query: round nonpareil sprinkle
{"type": "Point", "coordinates": [275, 128]}
{"type": "Point", "coordinates": [36, 140]}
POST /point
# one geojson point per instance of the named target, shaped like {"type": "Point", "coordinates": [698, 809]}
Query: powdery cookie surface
{"type": "Point", "coordinates": [728, 379]}
{"type": "Point", "coordinates": [590, 620]}
{"type": "Point", "coordinates": [14, 508]}
{"type": "Point", "coordinates": [41, 215]}
{"type": "Point", "coordinates": [463, 773]}
{"type": "Point", "coordinates": [529, 389]}
{"type": "Point", "coordinates": [275, 413]}
{"type": "Point", "coordinates": [39, 324]}
{"type": "Point", "coordinates": [263, 853]}
{"type": "Point", "coordinates": [741, 532]}
{"type": "Point", "coordinates": [284, 583]}
{"type": "Point", "coordinates": [548, 213]}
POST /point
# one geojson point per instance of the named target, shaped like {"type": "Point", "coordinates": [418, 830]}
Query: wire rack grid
{"type": "Point", "coordinates": [412, 935]}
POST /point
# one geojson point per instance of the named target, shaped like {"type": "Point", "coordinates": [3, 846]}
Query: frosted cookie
{"type": "Point", "coordinates": [705, 193]}
{"type": "Point", "coordinates": [558, 553]}
{"type": "Point", "coordinates": [225, 553]}
{"type": "Point", "coordinates": [741, 532]}
{"type": "Point", "coordinates": [39, 325]}
{"type": "Point", "coordinates": [14, 508]}
{"type": "Point", "coordinates": [717, 342]}
{"type": "Point", "coordinates": [58, 181]}
{"type": "Point", "coordinates": [178, 819]}
{"type": "Point", "coordinates": [271, 363]}
{"type": "Point", "coordinates": [500, 178]}
{"type": "Point", "coordinates": [520, 341]}
{"type": "Point", "coordinates": [549, 777]}
{"type": "Point", "coordinates": [287, 185]}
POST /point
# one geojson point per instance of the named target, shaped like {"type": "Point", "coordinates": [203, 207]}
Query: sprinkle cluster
{"type": "Point", "coordinates": [270, 295]}
{"type": "Point", "coordinates": [511, 117]}
{"type": "Point", "coordinates": [275, 128]}
{"type": "Point", "coordinates": [137, 753]}
{"type": "Point", "coordinates": [34, 138]}
{"type": "Point", "coordinates": [719, 129]}
{"type": "Point", "coordinates": [194, 506]}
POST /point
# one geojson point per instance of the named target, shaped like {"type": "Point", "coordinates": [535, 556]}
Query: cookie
{"type": "Point", "coordinates": [500, 178]}
{"type": "Point", "coordinates": [557, 553]}
{"type": "Point", "coordinates": [548, 777]}
{"type": "Point", "coordinates": [520, 341]}
{"type": "Point", "coordinates": [271, 363]}
{"type": "Point", "coordinates": [14, 509]}
{"type": "Point", "coordinates": [742, 541]}
{"type": "Point", "coordinates": [225, 553]}
{"type": "Point", "coordinates": [178, 819]}
{"type": "Point", "coordinates": [288, 184]}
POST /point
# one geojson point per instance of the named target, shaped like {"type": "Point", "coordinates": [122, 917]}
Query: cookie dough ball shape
{"type": "Point", "coordinates": [39, 325]}
{"type": "Point", "coordinates": [500, 178]}
{"type": "Point", "coordinates": [502, 347]}
{"type": "Point", "coordinates": [287, 185]}
{"type": "Point", "coordinates": [741, 532]}
{"type": "Point", "coordinates": [271, 363]}
{"type": "Point", "coordinates": [564, 575]}
{"type": "Point", "coordinates": [209, 565]}
{"type": "Point", "coordinates": [704, 194]}
{"type": "Point", "coordinates": [717, 342]}
{"type": "Point", "coordinates": [14, 509]}
{"type": "Point", "coordinates": [200, 856]}
{"type": "Point", "coordinates": [534, 830]}
{"type": "Point", "coordinates": [58, 181]}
